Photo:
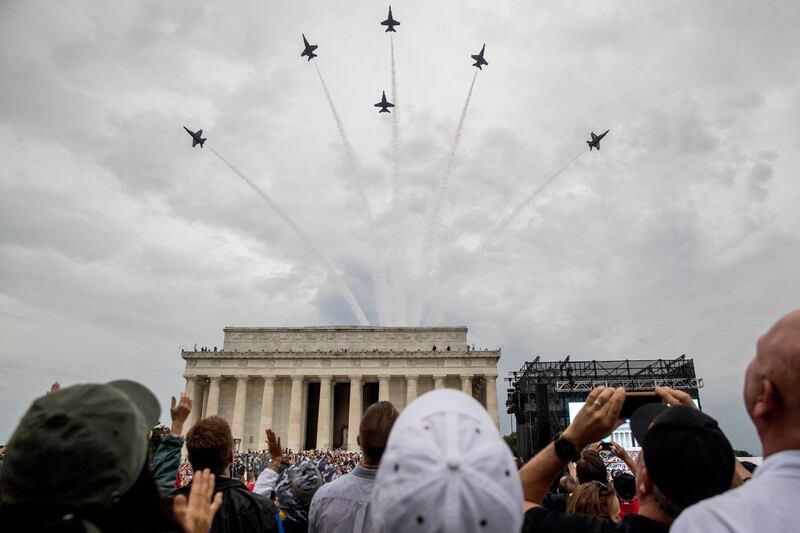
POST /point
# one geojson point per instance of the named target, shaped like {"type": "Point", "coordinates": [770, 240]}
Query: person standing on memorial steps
{"type": "Point", "coordinates": [342, 506]}
{"type": "Point", "coordinates": [768, 501]}
{"type": "Point", "coordinates": [668, 478]}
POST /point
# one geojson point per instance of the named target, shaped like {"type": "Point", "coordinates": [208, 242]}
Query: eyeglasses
{"type": "Point", "coordinates": [604, 489]}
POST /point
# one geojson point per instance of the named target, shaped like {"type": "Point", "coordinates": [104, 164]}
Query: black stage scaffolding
{"type": "Point", "coordinates": [540, 393]}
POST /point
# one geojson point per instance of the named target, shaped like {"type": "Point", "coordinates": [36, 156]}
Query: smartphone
{"type": "Point", "coordinates": [634, 400]}
{"type": "Point", "coordinates": [605, 446]}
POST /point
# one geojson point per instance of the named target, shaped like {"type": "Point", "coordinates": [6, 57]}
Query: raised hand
{"type": "Point", "coordinates": [179, 411]}
{"type": "Point", "coordinates": [675, 397]}
{"type": "Point", "coordinates": [598, 417]}
{"type": "Point", "coordinates": [196, 514]}
{"type": "Point", "coordinates": [620, 452]}
{"type": "Point", "coordinates": [274, 445]}
{"type": "Point", "coordinates": [275, 450]}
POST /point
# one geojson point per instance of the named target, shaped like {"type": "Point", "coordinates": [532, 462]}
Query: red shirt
{"type": "Point", "coordinates": [628, 507]}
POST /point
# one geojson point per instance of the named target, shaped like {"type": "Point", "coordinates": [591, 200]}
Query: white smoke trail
{"type": "Point", "coordinates": [353, 172]}
{"type": "Point", "coordinates": [377, 270]}
{"type": "Point", "coordinates": [426, 252]}
{"type": "Point", "coordinates": [396, 192]}
{"type": "Point", "coordinates": [398, 267]}
{"type": "Point", "coordinates": [346, 292]}
{"type": "Point", "coordinates": [503, 223]}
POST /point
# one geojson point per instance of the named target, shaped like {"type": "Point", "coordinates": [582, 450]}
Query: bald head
{"type": "Point", "coordinates": [772, 384]}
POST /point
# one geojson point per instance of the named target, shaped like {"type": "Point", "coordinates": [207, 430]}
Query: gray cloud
{"type": "Point", "coordinates": [119, 243]}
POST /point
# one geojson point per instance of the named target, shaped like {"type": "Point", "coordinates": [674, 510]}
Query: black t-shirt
{"type": "Point", "coordinates": [544, 520]}
{"type": "Point", "coordinates": [555, 502]}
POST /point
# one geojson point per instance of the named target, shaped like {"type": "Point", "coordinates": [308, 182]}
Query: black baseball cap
{"type": "Point", "coordinates": [80, 448]}
{"type": "Point", "coordinates": [625, 485]}
{"type": "Point", "coordinates": [687, 455]}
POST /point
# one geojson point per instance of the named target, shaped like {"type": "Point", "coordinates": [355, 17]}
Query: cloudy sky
{"type": "Point", "coordinates": [119, 243]}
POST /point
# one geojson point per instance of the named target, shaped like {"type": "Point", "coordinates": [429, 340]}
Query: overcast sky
{"type": "Point", "coordinates": [119, 243]}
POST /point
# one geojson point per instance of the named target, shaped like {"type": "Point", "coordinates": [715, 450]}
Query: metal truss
{"type": "Point", "coordinates": [631, 385]}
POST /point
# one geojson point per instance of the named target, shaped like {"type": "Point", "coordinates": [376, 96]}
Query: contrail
{"type": "Point", "coordinates": [353, 172]}
{"type": "Point", "coordinates": [396, 194]}
{"type": "Point", "coordinates": [426, 251]}
{"type": "Point", "coordinates": [502, 223]}
{"type": "Point", "coordinates": [346, 292]}
{"type": "Point", "coordinates": [398, 278]}
{"type": "Point", "coordinates": [378, 274]}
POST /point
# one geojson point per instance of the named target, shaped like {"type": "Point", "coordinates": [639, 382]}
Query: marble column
{"type": "Point", "coordinates": [204, 399]}
{"type": "Point", "coordinates": [239, 402]}
{"type": "Point", "coordinates": [354, 415]}
{"type": "Point", "coordinates": [295, 414]}
{"type": "Point", "coordinates": [191, 391]}
{"type": "Point", "coordinates": [324, 417]}
{"type": "Point", "coordinates": [267, 400]}
{"type": "Point", "coordinates": [466, 385]}
{"type": "Point", "coordinates": [438, 382]}
{"type": "Point", "coordinates": [212, 409]}
{"type": "Point", "coordinates": [411, 389]}
{"type": "Point", "coordinates": [383, 389]}
{"type": "Point", "coordinates": [491, 398]}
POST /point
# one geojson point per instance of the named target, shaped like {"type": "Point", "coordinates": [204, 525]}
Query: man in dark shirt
{"type": "Point", "coordinates": [668, 479]}
{"type": "Point", "coordinates": [210, 445]}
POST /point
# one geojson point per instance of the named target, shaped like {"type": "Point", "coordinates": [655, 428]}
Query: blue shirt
{"type": "Point", "coordinates": [767, 503]}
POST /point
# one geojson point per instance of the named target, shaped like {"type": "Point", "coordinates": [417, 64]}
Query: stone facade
{"type": "Point", "coordinates": [312, 384]}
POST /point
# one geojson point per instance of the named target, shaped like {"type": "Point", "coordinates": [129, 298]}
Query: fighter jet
{"type": "Point", "coordinates": [384, 104]}
{"type": "Point", "coordinates": [595, 142]}
{"type": "Point", "coordinates": [390, 22]}
{"type": "Point", "coordinates": [309, 50]}
{"type": "Point", "coordinates": [479, 60]}
{"type": "Point", "coordinates": [196, 137]}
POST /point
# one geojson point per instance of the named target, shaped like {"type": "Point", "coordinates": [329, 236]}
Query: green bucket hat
{"type": "Point", "coordinates": [80, 448]}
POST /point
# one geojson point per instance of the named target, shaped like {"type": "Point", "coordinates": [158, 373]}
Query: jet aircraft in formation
{"type": "Point", "coordinates": [390, 23]}
{"type": "Point", "coordinates": [479, 60]}
{"type": "Point", "coordinates": [384, 104]}
{"type": "Point", "coordinates": [595, 142]}
{"type": "Point", "coordinates": [309, 49]}
{"type": "Point", "coordinates": [196, 137]}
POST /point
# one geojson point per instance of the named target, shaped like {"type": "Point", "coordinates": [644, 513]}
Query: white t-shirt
{"type": "Point", "coordinates": [767, 503]}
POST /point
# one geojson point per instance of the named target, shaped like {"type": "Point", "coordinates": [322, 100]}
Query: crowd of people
{"type": "Point", "coordinates": [248, 465]}
{"type": "Point", "coordinates": [86, 458]}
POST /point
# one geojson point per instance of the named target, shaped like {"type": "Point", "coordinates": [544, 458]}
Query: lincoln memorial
{"type": "Point", "coordinates": [312, 384]}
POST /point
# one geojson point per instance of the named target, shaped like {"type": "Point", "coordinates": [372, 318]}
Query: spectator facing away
{"type": "Point", "coordinates": [343, 505]}
{"type": "Point", "coordinates": [210, 446]}
{"type": "Point", "coordinates": [768, 501]}
{"type": "Point", "coordinates": [595, 498]}
{"type": "Point", "coordinates": [591, 467]}
{"type": "Point", "coordinates": [447, 470]}
{"type": "Point", "coordinates": [668, 477]}
{"type": "Point", "coordinates": [78, 461]}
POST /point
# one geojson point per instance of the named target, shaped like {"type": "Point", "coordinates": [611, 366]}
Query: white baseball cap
{"type": "Point", "coordinates": [446, 469]}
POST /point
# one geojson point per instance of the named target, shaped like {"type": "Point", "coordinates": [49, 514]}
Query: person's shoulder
{"type": "Point", "coordinates": [722, 509]}
{"type": "Point", "coordinates": [542, 519]}
{"type": "Point", "coordinates": [331, 488]}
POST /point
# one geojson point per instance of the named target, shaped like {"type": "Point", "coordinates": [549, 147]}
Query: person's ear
{"type": "Point", "coordinates": [766, 399]}
{"type": "Point", "coordinates": [358, 440]}
{"type": "Point", "coordinates": [644, 485]}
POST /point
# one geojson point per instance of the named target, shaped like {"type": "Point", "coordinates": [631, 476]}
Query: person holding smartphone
{"type": "Point", "coordinates": [667, 479]}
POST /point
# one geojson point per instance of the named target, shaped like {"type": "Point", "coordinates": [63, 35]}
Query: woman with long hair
{"type": "Point", "coordinates": [595, 498]}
